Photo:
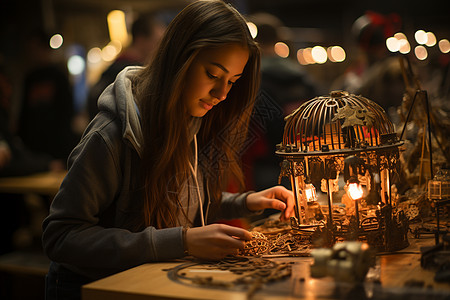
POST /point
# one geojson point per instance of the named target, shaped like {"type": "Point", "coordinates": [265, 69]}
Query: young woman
{"type": "Point", "coordinates": [145, 182]}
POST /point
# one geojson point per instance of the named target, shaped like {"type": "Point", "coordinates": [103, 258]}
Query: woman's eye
{"type": "Point", "coordinates": [231, 82]}
{"type": "Point", "coordinates": [211, 75]}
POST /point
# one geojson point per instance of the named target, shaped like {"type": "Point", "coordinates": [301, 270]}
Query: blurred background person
{"type": "Point", "coordinates": [285, 85]}
{"type": "Point", "coordinates": [47, 111]}
{"type": "Point", "coordinates": [376, 72]}
{"type": "Point", "coordinates": [146, 31]}
{"type": "Point", "coordinates": [16, 160]}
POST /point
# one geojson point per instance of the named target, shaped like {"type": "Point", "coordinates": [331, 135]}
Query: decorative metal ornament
{"type": "Point", "coordinates": [351, 136]}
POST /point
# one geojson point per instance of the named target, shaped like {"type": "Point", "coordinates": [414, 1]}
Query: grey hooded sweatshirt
{"type": "Point", "coordinates": [93, 227]}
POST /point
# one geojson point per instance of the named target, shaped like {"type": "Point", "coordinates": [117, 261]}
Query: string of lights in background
{"type": "Point", "coordinates": [98, 57]}
{"type": "Point", "coordinates": [397, 43]}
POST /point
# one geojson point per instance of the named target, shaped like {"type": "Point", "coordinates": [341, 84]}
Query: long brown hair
{"type": "Point", "coordinates": [165, 119]}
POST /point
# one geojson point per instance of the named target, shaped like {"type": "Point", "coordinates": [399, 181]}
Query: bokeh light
{"type": "Point", "coordinates": [393, 44]}
{"type": "Point", "coordinates": [281, 49]}
{"type": "Point", "coordinates": [431, 39]}
{"type": "Point", "coordinates": [421, 52]}
{"type": "Point", "coordinates": [301, 60]}
{"type": "Point", "coordinates": [444, 46]}
{"type": "Point", "coordinates": [76, 64]}
{"type": "Point", "coordinates": [109, 52]}
{"type": "Point", "coordinates": [253, 29]}
{"type": "Point", "coordinates": [94, 55]}
{"type": "Point", "coordinates": [400, 36]}
{"type": "Point", "coordinates": [307, 56]}
{"type": "Point", "coordinates": [405, 47]}
{"type": "Point", "coordinates": [421, 37]}
{"type": "Point", "coordinates": [56, 41]}
{"type": "Point", "coordinates": [337, 53]}
{"type": "Point", "coordinates": [117, 26]}
{"type": "Point", "coordinates": [319, 54]}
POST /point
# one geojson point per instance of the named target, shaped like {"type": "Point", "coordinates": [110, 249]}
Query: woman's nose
{"type": "Point", "coordinates": [220, 91]}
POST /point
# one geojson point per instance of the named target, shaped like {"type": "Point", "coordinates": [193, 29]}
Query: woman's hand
{"type": "Point", "coordinates": [277, 197]}
{"type": "Point", "coordinates": [214, 242]}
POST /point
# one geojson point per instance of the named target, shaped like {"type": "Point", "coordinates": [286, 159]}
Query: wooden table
{"type": "Point", "coordinates": [394, 274]}
{"type": "Point", "coordinates": [46, 184]}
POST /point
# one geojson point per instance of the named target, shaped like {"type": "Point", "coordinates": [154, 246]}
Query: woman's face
{"type": "Point", "coordinates": [211, 76]}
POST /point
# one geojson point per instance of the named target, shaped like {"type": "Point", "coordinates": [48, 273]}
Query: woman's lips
{"type": "Point", "coordinates": [205, 105]}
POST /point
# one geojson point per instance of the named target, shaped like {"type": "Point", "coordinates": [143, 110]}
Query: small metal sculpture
{"type": "Point", "coordinates": [439, 193]}
{"type": "Point", "coordinates": [280, 242]}
{"type": "Point", "coordinates": [348, 135]}
{"type": "Point", "coordinates": [346, 261]}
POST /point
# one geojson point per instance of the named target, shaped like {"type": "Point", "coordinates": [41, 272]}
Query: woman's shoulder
{"type": "Point", "coordinates": [105, 128]}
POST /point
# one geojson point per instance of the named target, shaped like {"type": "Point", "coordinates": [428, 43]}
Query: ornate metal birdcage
{"type": "Point", "coordinates": [349, 136]}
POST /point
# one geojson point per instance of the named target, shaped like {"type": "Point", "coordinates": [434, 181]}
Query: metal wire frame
{"type": "Point", "coordinates": [312, 128]}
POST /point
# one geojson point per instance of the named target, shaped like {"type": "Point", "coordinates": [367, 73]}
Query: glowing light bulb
{"type": "Point", "coordinates": [354, 190]}
{"type": "Point", "coordinates": [310, 192]}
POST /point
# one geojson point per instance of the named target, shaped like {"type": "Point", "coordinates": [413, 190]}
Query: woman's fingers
{"type": "Point", "coordinates": [237, 232]}
{"type": "Point", "coordinates": [215, 241]}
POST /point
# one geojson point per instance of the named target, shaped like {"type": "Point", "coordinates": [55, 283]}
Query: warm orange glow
{"type": "Point", "coordinates": [117, 27]}
{"type": "Point", "coordinates": [354, 190]}
{"type": "Point", "coordinates": [310, 192]}
{"type": "Point", "coordinates": [444, 46]}
{"type": "Point", "coordinates": [364, 246]}
{"type": "Point", "coordinates": [300, 57]}
{"type": "Point", "coordinates": [392, 44]}
{"type": "Point", "coordinates": [307, 56]}
{"type": "Point", "coordinates": [405, 47]}
{"type": "Point", "coordinates": [281, 49]}
{"type": "Point", "coordinates": [336, 54]}
{"type": "Point", "coordinates": [421, 37]}
{"type": "Point", "coordinates": [94, 55]}
{"type": "Point", "coordinates": [56, 41]}
{"type": "Point", "coordinates": [400, 36]}
{"type": "Point", "coordinates": [319, 54]}
{"type": "Point", "coordinates": [253, 29]}
{"type": "Point", "coordinates": [431, 39]}
{"type": "Point", "coordinates": [421, 52]}
{"type": "Point", "coordinates": [109, 52]}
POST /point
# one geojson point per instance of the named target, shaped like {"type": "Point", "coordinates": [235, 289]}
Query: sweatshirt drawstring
{"type": "Point", "coordinates": [194, 170]}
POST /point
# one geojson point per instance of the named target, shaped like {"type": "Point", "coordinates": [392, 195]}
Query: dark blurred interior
{"type": "Point", "coordinates": [83, 26]}
{"type": "Point", "coordinates": [306, 24]}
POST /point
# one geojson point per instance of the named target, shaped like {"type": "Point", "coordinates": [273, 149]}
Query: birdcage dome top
{"type": "Point", "coordinates": [338, 123]}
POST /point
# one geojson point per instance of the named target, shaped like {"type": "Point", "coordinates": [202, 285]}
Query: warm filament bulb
{"type": "Point", "coordinates": [310, 192]}
{"type": "Point", "coordinates": [355, 191]}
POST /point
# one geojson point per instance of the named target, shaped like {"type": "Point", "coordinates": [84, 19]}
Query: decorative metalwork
{"type": "Point", "coordinates": [337, 124]}
{"type": "Point", "coordinates": [349, 136]}
{"type": "Point", "coordinates": [249, 273]}
{"type": "Point", "coordinates": [275, 238]}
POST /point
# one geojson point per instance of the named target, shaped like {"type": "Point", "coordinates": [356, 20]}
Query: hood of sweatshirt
{"type": "Point", "coordinates": [118, 100]}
